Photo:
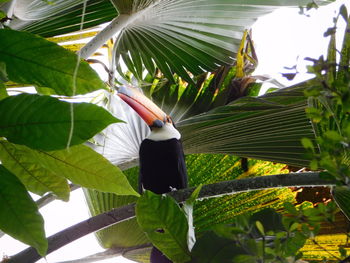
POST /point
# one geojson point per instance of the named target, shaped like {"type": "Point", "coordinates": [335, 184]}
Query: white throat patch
{"type": "Point", "coordinates": [167, 132]}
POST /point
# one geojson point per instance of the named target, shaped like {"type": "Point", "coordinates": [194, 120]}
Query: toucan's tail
{"type": "Point", "coordinates": [158, 257]}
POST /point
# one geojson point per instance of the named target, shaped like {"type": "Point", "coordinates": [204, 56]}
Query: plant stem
{"type": "Point", "coordinates": [127, 212]}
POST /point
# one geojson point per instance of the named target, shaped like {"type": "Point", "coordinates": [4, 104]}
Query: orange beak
{"type": "Point", "coordinates": [145, 108]}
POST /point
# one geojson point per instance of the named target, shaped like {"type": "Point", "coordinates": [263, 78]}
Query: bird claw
{"type": "Point", "coordinates": [172, 189]}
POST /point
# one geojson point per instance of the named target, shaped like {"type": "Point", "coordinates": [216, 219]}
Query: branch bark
{"type": "Point", "coordinates": [127, 212]}
{"type": "Point", "coordinates": [46, 199]}
{"type": "Point", "coordinates": [108, 32]}
{"type": "Point", "coordinates": [109, 253]}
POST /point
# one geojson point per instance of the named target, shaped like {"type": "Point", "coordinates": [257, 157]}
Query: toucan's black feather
{"type": "Point", "coordinates": [162, 166]}
{"type": "Point", "coordinates": [158, 257]}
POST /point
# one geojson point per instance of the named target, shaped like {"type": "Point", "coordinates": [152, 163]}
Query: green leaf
{"type": "Point", "coordinates": [307, 143]}
{"type": "Point", "coordinates": [260, 227]}
{"type": "Point", "coordinates": [192, 199]}
{"type": "Point", "coordinates": [188, 209]}
{"type": "Point", "coordinates": [210, 248]}
{"type": "Point", "coordinates": [21, 161]}
{"type": "Point", "coordinates": [345, 52]}
{"type": "Point", "coordinates": [244, 259]}
{"type": "Point", "coordinates": [290, 208]}
{"type": "Point", "coordinates": [343, 252]}
{"type": "Point", "coordinates": [341, 195]}
{"type": "Point", "coordinates": [3, 92]}
{"type": "Point", "coordinates": [3, 74]}
{"type": "Point", "coordinates": [165, 224]}
{"type": "Point", "coordinates": [294, 227]}
{"type": "Point", "coordinates": [33, 60]}
{"type": "Point", "coordinates": [267, 220]}
{"type": "Point", "coordinates": [19, 216]}
{"type": "Point", "coordinates": [83, 166]}
{"type": "Point", "coordinates": [43, 122]}
{"type": "Point", "coordinates": [294, 244]}
{"type": "Point", "coordinates": [333, 136]}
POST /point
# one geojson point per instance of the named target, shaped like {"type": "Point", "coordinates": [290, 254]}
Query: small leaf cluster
{"type": "Point", "coordinates": [265, 236]}
{"type": "Point", "coordinates": [329, 109]}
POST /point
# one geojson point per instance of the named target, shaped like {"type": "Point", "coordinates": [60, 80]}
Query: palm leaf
{"type": "Point", "coordinates": [267, 128]}
{"type": "Point", "coordinates": [65, 19]}
{"type": "Point", "coordinates": [187, 36]}
{"type": "Point", "coordinates": [211, 168]}
{"type": "Point", "coordinates": [179, 36]}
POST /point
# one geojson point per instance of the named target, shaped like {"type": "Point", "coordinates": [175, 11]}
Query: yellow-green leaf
{"type": "Point", "coordinates": [83, 166]}
{"type": "Point", "coordinates": [21, 161]}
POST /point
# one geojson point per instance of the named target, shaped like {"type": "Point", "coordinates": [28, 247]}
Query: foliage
{"type": "Point", "coordinates": [165, 224]}
{"type": "Point", "coordinates": [329, 110]}
{"type": "Point", "coordinates": [264, 236]}
{"type": "Point", "coordinates": [19, 214]}
{"type": "Point", "coordinates": [37, 131]}
{"type": "Point", "coordinates": [41, 135]}
{"type": "Point", "coordinates": [33, 60]}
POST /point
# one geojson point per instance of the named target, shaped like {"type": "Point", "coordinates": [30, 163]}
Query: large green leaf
{"type": "Point", "coordinates": [187, 36]}
{"type": "Point", "coordinates": [268, 128]}
{"type": "Point", "coordinates": [165, 224]}
{"type": "Point", "coordinates": [83, 166]}
{"type": "Point", "coordinates": [19, 216]}
{"type": "Point", "coordinates": [33, 60]}
{"type": "Point", "coordinates": [20, 160]}
{"type": "Point", "coordinates": [44, 122]}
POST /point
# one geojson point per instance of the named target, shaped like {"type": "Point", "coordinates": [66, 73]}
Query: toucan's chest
{"type": "Point", "coordinates": [162, 165]}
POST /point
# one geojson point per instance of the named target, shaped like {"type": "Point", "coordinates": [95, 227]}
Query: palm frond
{"type": "Point", "coordinates": [66, 19]}
{"type": "Point", "coordinates": [182, 36]}
{"type": "Point", "coordinates": [266, 128]}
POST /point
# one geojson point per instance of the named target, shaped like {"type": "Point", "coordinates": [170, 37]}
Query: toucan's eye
{"type": "Point", "coordinates": [169, 120]}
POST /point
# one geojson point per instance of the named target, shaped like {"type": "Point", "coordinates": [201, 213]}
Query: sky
{"type": "Point", "coordinates": [282, 39]}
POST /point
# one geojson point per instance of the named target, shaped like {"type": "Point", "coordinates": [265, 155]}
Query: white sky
{"type": "Point", "coordinates": [282, 38]}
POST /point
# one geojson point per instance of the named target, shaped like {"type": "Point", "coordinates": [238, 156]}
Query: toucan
{"type": "Point", "coordinates": [161, 156]}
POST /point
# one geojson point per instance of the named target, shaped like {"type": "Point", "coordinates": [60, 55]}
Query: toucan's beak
{"type": "Point", "coordinates": [148, 111]}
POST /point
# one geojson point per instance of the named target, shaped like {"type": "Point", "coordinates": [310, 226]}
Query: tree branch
{"type": "Point", "coordinates": [108, 32]}
{"type": "Point", "coordinates": [109, 253]}
{"type": "Point", "coordinates": [121, 214]}
{"type": "Point", "coordinates": [48, 198]}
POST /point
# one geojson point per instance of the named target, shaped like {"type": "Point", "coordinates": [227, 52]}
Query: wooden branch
{"type": "Point", "coordinates": [121, 214]}
{"type": "Point", "coordinates": [46, 199]}
{"type": "Point", "coordinates": [108, 32]}
{"type": "Point", "coordinates": [109, 253]}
